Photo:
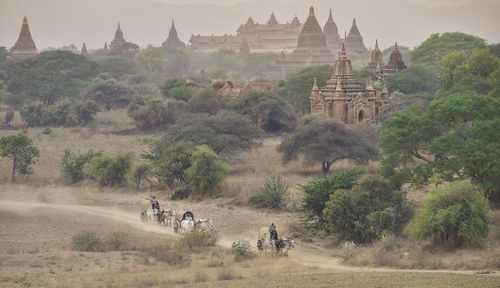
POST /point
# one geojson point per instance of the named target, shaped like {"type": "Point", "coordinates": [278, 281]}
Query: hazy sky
{"type": "Point", "coordinates": [56, 23]}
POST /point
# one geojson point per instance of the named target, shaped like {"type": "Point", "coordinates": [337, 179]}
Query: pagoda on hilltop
{"type": "Point", "coordinates": [119, 41]}
{"type": "Point", "coordinates": [173, 40]}
{"type": "Point", "coordinates": [311, 49]}
{"type": "Point", "coordinates": [333, 41]}
{"type": "Point", "coordinates": [396, 62]}
{"type": "Point", "coordinates": [344, 98]}
{"type": "Point", "coordinates": [354, 40]}
{"type": "Point", "coordinates": [25, 46]}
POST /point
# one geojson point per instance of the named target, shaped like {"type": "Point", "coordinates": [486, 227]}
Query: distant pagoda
{"type": "Point", "coordinates": [25, 46]}
{"type": "Point", "coordinates": [333, 41]}
{"type": "Point", "coordinates": [396, 60]}
{"type": "Point", "coordinates": [311, 49]}
{"type": "Point", "coordinates": [173, 40]}
{"type": "Point", "coordinates": [376, 62]}
{"type": "Point", "coordinates": [106, 47]}
{"type": "Point", "coordinates": [84, 50]}
{"type": "Point", "coordinates": [354, 40]}
{"type": "Point", "coordinates": [119, 41]}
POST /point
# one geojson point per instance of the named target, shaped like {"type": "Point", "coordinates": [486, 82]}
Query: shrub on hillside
{"type": "Point", "coordinates": [242, 247]}
{"type": "Point", "coordinates": [116, 240]}
{"type": "Point", "coordinates": [453, 216]}
{"type": "Point", "coordinates": [72, 166]}
{"type": "Point", "coordinates": [200, 237]}
{"type": "Point", "coordinates": [9, 116]}
{"type": "Point", "coordinates": [66, 114]}
{"type": "Point", "coordinates": [368, 211]}
{"type": "Point", "coordinates": [109, 170]}
{"type": "Point", "coordinates": [207, 171]}
{"type": "Point", "coordinates": [181, 93]}
{"type": "Point", "coordinates": [153, 113]}
{"type": "Point", "coordinates": [274, 194]}
{"type": "Point", "coordinates": [205, 101]}
{"type": "Point", "coordinates": [318, 191]}
{"type": "Point", "coordinates": [141, 173]}
{"type": "Point", "coordinates": [87, 242]}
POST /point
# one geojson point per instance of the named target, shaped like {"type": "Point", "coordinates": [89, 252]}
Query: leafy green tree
{"type": "Point", "coordinates": [141, 173]}
{"type": "Point", "coordinates": [21, 150]}
{"type": "Point", "coordinates": [457, 137]}
{"type": "Point", "coordinates": [117, 67]}
{"type": "Point", "coordinates": [83, 113]}
{"type": "Point", "coordinates": [433, 50]}
{"type": "Point", "coordinates": [50, 76]}
{"type": "Point", "coordinates": [326, 141]}
{"type": "Point", "coordinates": [181, 93]}
{"type": "Point", "coordinates": [268, 110]}
{"type": "Point", "coordinates": [109, 93]}
{"type": "Point", "coordinates": [205, 101]}
{"type": "Point", "coordinates": [207, 171]}
{"type": "Point", "coordinates": [171, 83]}
{"type": "Point", "coordinates": [368, 211]}
{"type": "Point", "coordinates": [416, 79]}
{"type": "Point", "coordinates": [318, 191]}
{"type": "Point", "coordinates": [72, 166]}
{"type": "Point", "coordinates": [153, 113]}
{"type": "Point", "coordinates": [453, 216]}
{"type": "Point", "coordinates": [32, 115]}
{"type": "Point", "coordinates": [9, 116]}
{"type": "Point", "coordinates": [110, 170]}
{"type": "Point", "coordinates": [495, 49]}
{"type": "Point", "coordinates": [226, 133]}
{"type": "Point", "coordinates": [297, 89]}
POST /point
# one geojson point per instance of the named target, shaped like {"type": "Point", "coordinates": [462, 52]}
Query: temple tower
{"type": "Point", "coordinates": [272, 20]}
{"type": "Point", "coordinates": [119, 41]}
{"type": "Point", "coordinates": [311, 49]}
{"type": "Point", "coordinates": [354, 40]}
{"type": "Point", "coordinates": [84, 50]}
{"type": "Point", "coordinates": [332, 36]}
{"type": "Point", "coordinates": [173, 40]}
{"type": "Point", "coordinates": [25, 46]}
{"type": "Point", "coordinates": [396, 60]}
{"type": "Point", "coordinates": [376, 59]}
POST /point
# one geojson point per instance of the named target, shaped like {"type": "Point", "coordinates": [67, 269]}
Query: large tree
{"type": "Point", "coordinates": [266, 109]}
{"type": "Point", "coordinates": [326, 141]}
{"type": "Point", "coordinates": [225, 133]}
{"type": "Point", "coordinates": [20, 148]}
{"type": "Point", "coordinates": [457, 137]}
{"type": "Point", "coordinates": [109, 93]}
{"type": "Point", "coordinates": [50, 76]}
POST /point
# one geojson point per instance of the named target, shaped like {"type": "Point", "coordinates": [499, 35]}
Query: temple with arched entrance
{"type": "Point", "coordinates": [345, 98]}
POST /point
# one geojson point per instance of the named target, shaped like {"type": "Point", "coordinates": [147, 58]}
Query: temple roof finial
{"type": "Point", "coordinates": [315, 85]}
{"type": "Point", "coordinates": [343, 49]}
{"type": "Point", "coordinates": [311, 11]}
{"type": "Point", "coordinates": [376, 44]}
{"type": "Point", "coordinates": [25, 20]}
{"type": "Point", "coordinates": [396, 46]}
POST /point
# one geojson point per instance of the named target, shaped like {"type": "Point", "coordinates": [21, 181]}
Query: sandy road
{"type": "Point", "coordinates": [303, 255]}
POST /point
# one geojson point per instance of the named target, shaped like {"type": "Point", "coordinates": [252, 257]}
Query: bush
{"type": "Point", "coordinates": [200, 237]}
{"type": "Point", "coordinates": [47, 131]}
{"type": "Point", "coordinates": [87, 242]}
{"type": "Point", "coordinates": [9, 116]}
{"type": "Point", "coordinates": [205, 101]}
{"type": "Point", "coordinates": [368, 211]}
{"type": "Point", "coordinates": [317, 192]}
{"type": "Point", "coordinates": [207, 171]}
{"type": "Point", "coordinates": [83, 113]}
{"type": "Point", "coordinates": [140, 173]}
{"type": "Point", "coordinates": [65, 114]}
{"type": "Point", "coordinates": [172, 83]}
{"type": "Point", "coordinates": [109, 170]}
{"type": "Point", "coordinates": [274, 194]}
{"type": "Point", "coordinates": [242, 247]}
{"type": "Point", "coordinates": [453, 216]}
{"type": "Point", "coordinates": [181, 93]}
{"type": "Point", "coordinates": [348, 250]}
{"type": "Point", "coordinates": [116, 240]}
{"type": "Point", "coordinates": [72, 166]}
{"type": "Point", "coordinates": [153, 113]}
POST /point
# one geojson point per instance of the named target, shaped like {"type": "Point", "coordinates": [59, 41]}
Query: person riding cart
{"type": "Point", "coordinates": [154, 203]}
{"type": "Point", "coordinates": [273, 233]}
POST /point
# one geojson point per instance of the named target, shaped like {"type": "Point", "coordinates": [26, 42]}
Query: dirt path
{"type": "Point", "coordinates": [304, 255]}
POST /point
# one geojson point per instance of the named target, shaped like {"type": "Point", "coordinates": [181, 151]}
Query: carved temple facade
{"type": "Point", "coordinates": [344, 98]}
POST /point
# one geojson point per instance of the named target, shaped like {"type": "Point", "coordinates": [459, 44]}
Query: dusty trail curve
{"type": "Point", "coordinates": [303, 255]}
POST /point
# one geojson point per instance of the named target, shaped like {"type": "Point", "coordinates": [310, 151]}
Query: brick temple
{"type": "Point", "coordinates": [25, 46]}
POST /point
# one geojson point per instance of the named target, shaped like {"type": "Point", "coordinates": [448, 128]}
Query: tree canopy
{"type": "Point", "coordinates": [458, 136]}
{"type": "Point", "coordinates": [109, 93]}
{"type": "Point", "coordinates": [50, 76]}
{"type": "Point", "coordinates": [326, 141]}
{"type": "Point", "coordinates": [21, 150]}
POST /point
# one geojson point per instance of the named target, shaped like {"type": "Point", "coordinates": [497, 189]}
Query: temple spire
{"type": "Point", "coordinates": [173, 40]}
{"type": "Point", "coordinates": [396, 46]}
{"type": "Point", "coordinates": [315, 85]}
{"type": "Point", "coordinates": [342, 51]}
{"type": "Point", "coordinates": [84, 49]}
{"type": "Point", "coordinates": [311, 12]}
{"type": "Point", "coordinates": [272, 20]}
{"type": "Point", "coordinates": [25, 46]}
{"type": "Point", "coordinates": [376, 44]}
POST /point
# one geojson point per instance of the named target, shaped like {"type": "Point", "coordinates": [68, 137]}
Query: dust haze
{"type": "Point", "coordinates": [57, 23]}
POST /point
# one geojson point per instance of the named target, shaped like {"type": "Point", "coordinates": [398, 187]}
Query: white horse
{"type": "Point", "coordinates": [150, 215]}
